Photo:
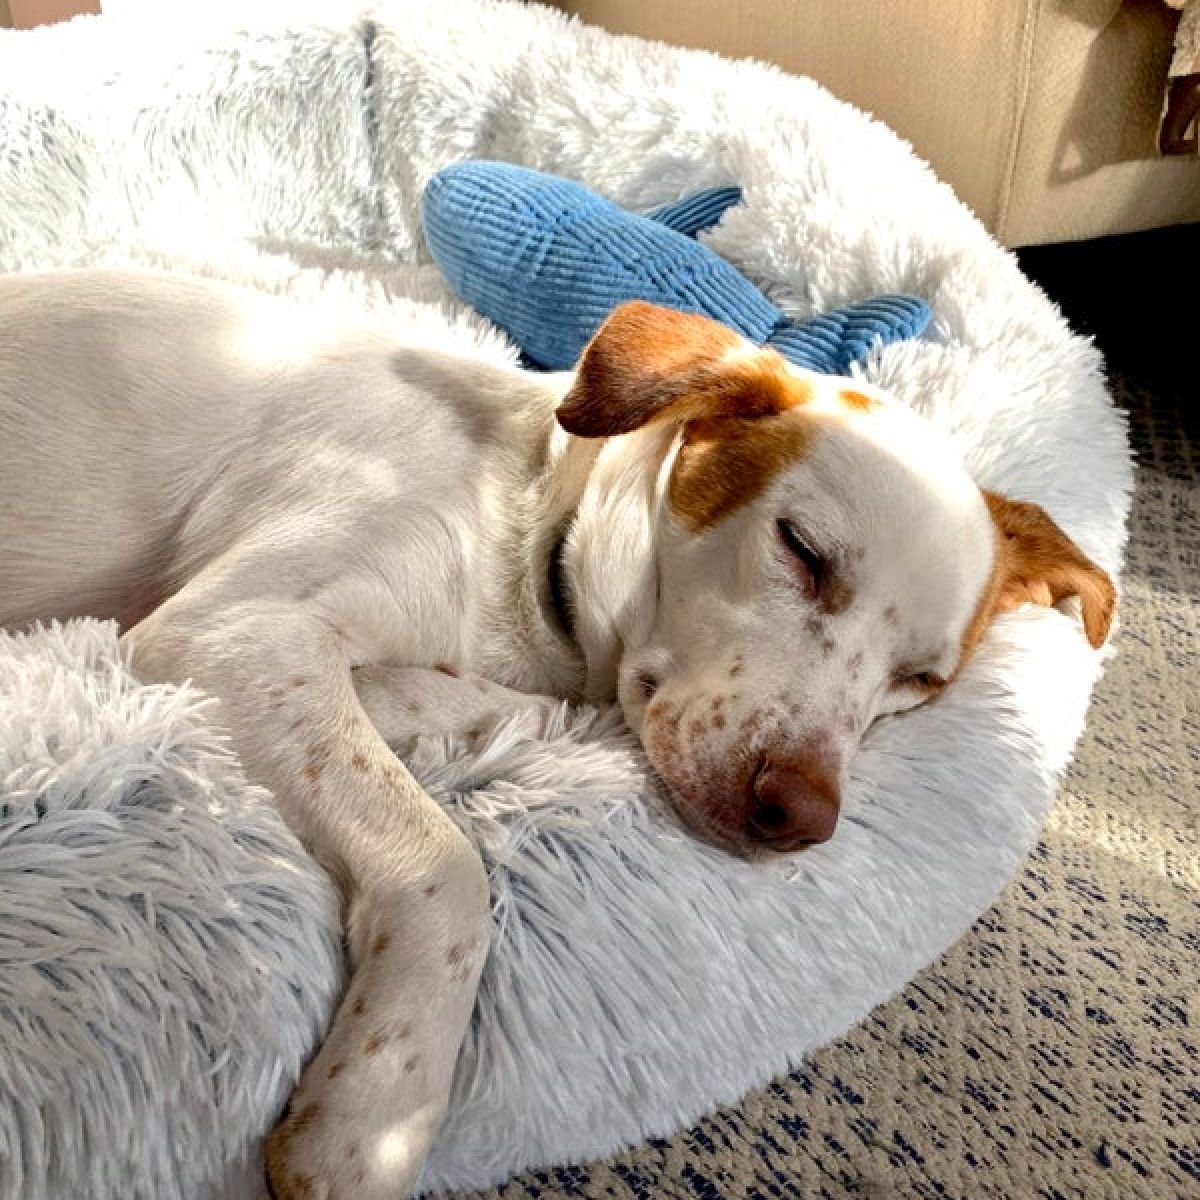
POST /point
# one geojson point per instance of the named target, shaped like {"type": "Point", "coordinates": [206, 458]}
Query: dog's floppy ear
{"type": "Point", "coordinates": [648, 364]}
{"type": "Point", "coordinates": [1039, 564]}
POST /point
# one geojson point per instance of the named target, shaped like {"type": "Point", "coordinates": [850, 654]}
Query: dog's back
{"type": "Point", "coordinates": [150, 420]}
{"type": "Point", "coordinates": [99, 380]}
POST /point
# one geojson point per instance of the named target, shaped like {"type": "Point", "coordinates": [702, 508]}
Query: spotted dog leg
{"type": "Point", "coordinates": [405, 702]}
{"type": "Point", "coordinates": [415, 893]}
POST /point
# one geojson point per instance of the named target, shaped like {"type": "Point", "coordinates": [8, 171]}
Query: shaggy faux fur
{"type": "Point", "coordinates": [637, 977]}
{"type": "Point", "coordinates": [168, 952]}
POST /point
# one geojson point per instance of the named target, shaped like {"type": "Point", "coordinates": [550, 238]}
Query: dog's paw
{"type": "Point", "coordinates": [522, 723]}
{"type": "Point", "coordinates": [348, 1134]}
{"type": "Point", "coordinates": [296, 1160]}
{"type": "Point", "coordinates": [311, 1158]}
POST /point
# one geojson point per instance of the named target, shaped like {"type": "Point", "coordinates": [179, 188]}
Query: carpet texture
{"type": "Point", "coordinates": [1051, 1053]}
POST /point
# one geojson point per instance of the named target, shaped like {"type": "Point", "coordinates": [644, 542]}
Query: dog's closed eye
{"type": "Point", "coordinates": [811, 569]}
{"type": "Point", "coordinates": [923, 681]}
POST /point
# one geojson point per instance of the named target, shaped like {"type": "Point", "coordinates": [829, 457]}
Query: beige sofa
{"type": "Point", "coordinates": [1042, 114]}
{"type": "Point", "coordinates": [26, 13]}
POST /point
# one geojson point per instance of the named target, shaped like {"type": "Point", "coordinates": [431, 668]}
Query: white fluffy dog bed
{"type": "Point", "coordinates": [166, 952]}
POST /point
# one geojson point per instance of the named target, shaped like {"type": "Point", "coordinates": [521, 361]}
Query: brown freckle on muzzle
{"type": "Point", "coordinates": [751, 723]}
{"type": "Point", "coordinates": [837, 595]}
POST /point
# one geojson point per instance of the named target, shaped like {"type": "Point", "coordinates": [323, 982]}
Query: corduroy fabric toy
{"type": "Point", "coordinates": [547, 260]}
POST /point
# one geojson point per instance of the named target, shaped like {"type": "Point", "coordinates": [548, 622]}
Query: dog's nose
{"type": "Point", "coordinates": [793, 804]}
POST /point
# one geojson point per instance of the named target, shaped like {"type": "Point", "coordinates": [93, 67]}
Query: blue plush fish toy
{"type": "Point", "coordinates": [547, 260]}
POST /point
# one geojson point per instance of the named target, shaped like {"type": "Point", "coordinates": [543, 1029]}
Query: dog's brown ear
{"type": "Point", "coordinates": [647, 364]}
{"type": "Point", "coordinates": [1038, 563]}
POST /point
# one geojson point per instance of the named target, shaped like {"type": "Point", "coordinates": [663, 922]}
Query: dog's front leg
{"type": "Point", "coordinates": [406, 702]}
{"type": "Point", "coordinates": [415, 891]}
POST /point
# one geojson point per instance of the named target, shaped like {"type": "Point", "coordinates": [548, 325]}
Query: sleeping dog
{"type": "Point", "coordinates": [350, 541]}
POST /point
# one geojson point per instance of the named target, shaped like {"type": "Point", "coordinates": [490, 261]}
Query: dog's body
{"type": "Point", "coordinates": [349, 542]}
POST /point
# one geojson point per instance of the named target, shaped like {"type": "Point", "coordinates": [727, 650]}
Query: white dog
{"type": "Point", "coordinates": [349, 541]}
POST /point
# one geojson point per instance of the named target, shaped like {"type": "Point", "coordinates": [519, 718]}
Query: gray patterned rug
{"type": "Point", "coordinates": [1052, 1053]}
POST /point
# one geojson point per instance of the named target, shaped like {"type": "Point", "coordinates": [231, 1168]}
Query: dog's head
{"type": "Point", "coordinates": [771, 559]}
